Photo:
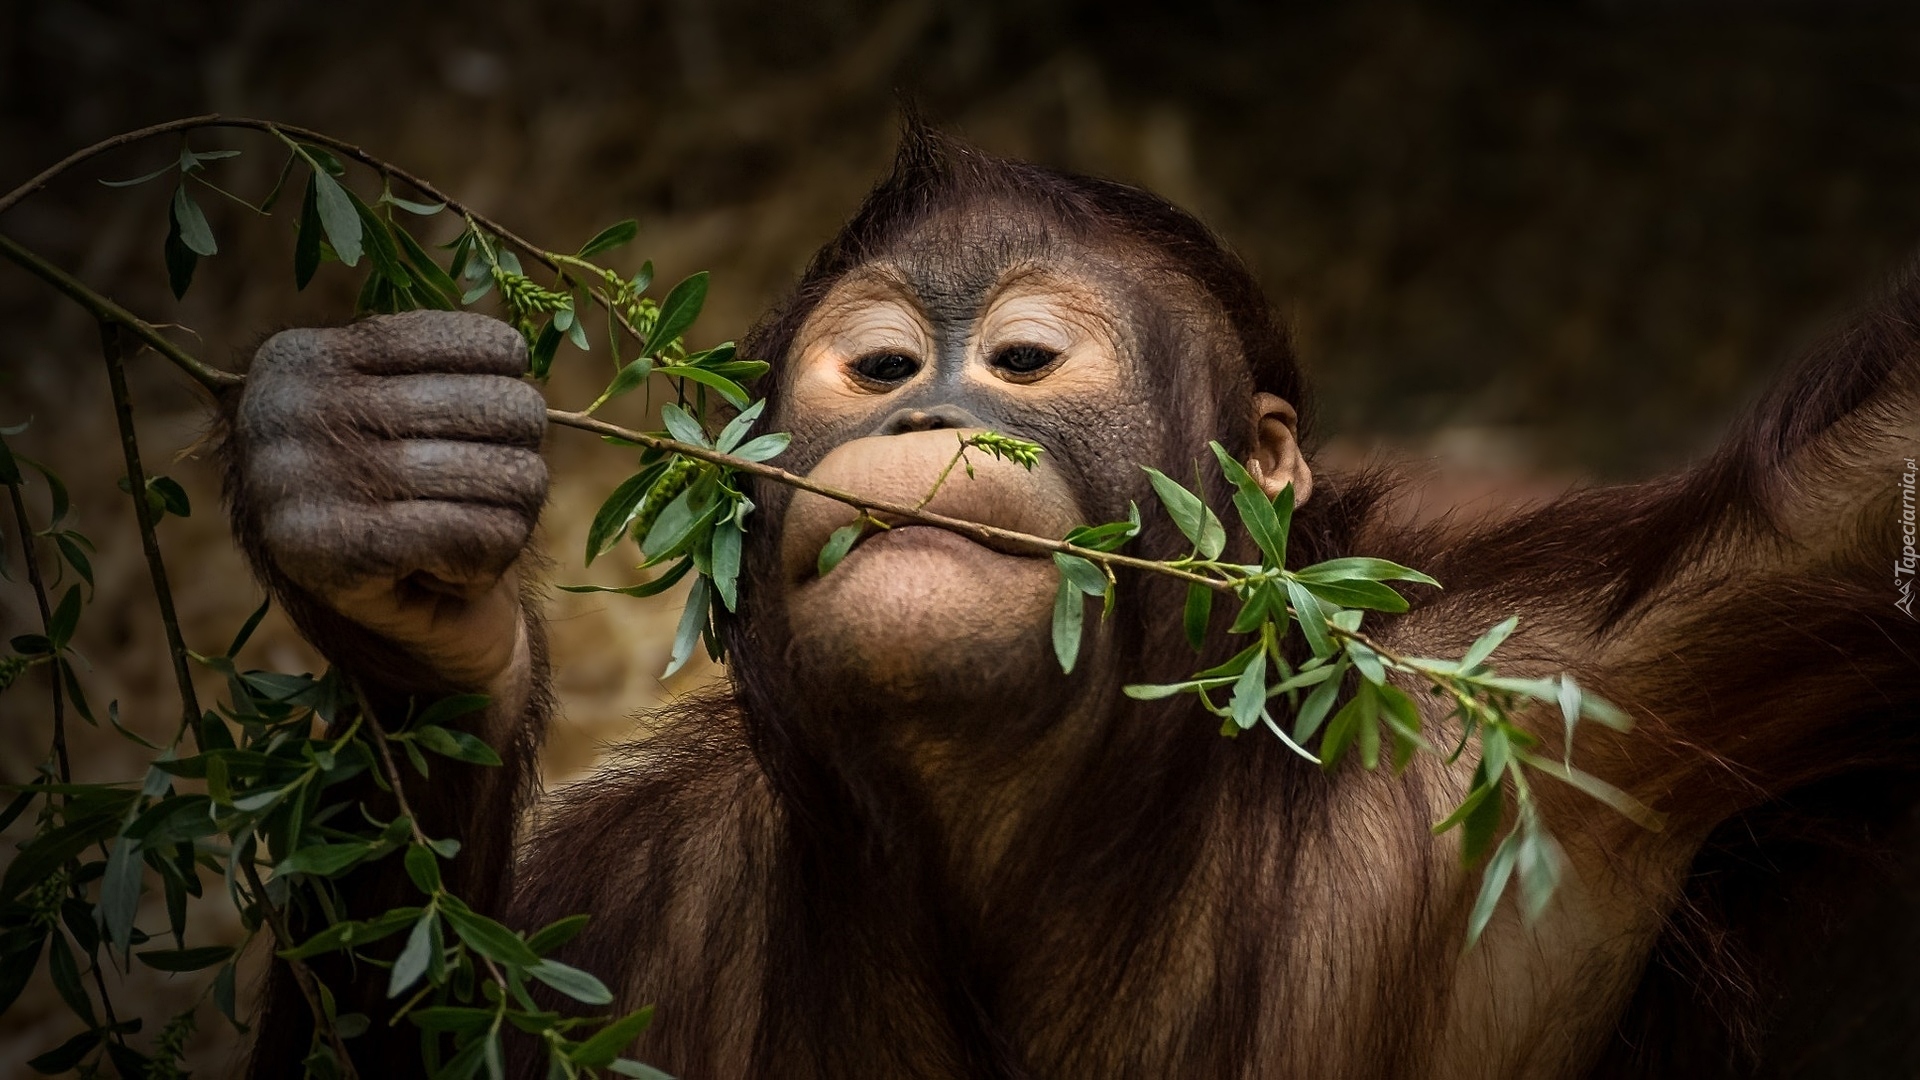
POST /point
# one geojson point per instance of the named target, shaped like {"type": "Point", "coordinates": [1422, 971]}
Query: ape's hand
{"type": "Point", "coordinates": [391, 471]}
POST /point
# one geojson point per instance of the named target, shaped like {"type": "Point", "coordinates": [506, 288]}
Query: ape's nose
{"type": "Point", "coordinates": [929, 419]}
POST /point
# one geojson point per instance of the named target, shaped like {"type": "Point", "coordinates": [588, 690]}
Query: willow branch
{"type": "Point", "coordinates": [1022, 543]}
{"type": "Point", "coordinates": [284, 132]}
{"type": "Point", "coordinates": [303, 976]}
{"type": "Point", "coordinates": [109, 312]}
{"type": "Point", "coordinates": [114, 349]}
{"type": "Point", "coordinates": [39, 586]}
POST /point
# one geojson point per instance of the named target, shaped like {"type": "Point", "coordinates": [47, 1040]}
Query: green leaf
{"type": "Point", "coordinates": [682, 426]}
{"type": "Point", "coordinates": [423, 868]}
{"type": "Point", "coordinates": [458, 745]}
{"type": "Point", "coordinates": [677, 313]}
{"type": "Point", "coordinates": [68, 1054]}
{"type": "Point", "coordinates": [338, 217]}
{"type": "Point", "coordinates": [1250, 692]}
{"type": "Point", "coordinates": [419, 209]}
{"type": "Point", "coordinates": [738, 427]}
{"type": "Point", "coordinates": [615, 514]}
{"type": "Point", "coordinates": [205, 956]}
{"type": "Point", "coordinates": [120, 891]}
{"type": "Point", "coordinates": [1403, 719]}
{"type": "Point", "coordinates": [173, 497]}
{"type": "Point", "coordinates": [1569, 701]}
{"type": "Point", "coordinates": [606, 1044]}
{"type": "Point", "coordinates": [650, 588]}
{"type": "Point", "coordinates": [1198, 614]}
{"type": "Point", "coordinates": [167, 168]}
{"type": "Point", "coordinates": [1084, 575]}
{"type": "Point", "coordinates": [1256, 513]}
{"type": "Point", "coordinates": [1157, 691]}
{"type": "Point", "coordinates": [428, 271]}
{"type": "Point", "coordinates": [1368, 662]}
{"type": "Point", "coordinates": [1483, 822]}
{"type": "Point", "coordinates": [65, 618]}
{"type": "Point", "coordinates": [1195, 519]}
{"type": "Point", "coordinates": [767, 446]}
{"type": "Point", "coordinates": [610, 237]}
{"type": "Point", "coordinates": [180, 260]}
{"type": "Point", "coordinates": [343, 934]}
{"type": "Point", "coordinates": [837, 546]}
{"type": "Point", "coordinates": [1601, 711]}
{"type": "Point", "coordinates": [1316, 708]}
{"type": "Point", "coordinates": [625, 381]}
{"type": "Point", "coordinates": [677, 523]}
{"type": "Point", "coordinates": [727, 538]}
{"type": "Point", "coordinates": [1488, 642]}
{"type": "Point", "coordinates": [1357, 594]}
{"type": "Point", "coordinates": [1108, 537]}
{"type": "Point", "coordinates": [727, 388]}
{"type": "Point", "coordinates": [247, 628]}
{"type": "Point", "coordinates": [412, 961]}
{"type": "Point", "coordinates": [324, 860]}
{"type": "Point", "coordinates": [1492, 886]}
{"type": "Point", "coordinates": [486, 937]}
{"type": "Point", "coordinates": [693, 620]}
{"type": "Point", "coordinates": [1069, 611]}
{"type": "Point", "coordinates": [572, 982]}
{"type": "Point", "coordinates": [306, 242]}
{"type": "Point", "coordinates": [66, 979]}
{"type": "Point", "coordinates": [1345, 727]}
{"type": "Point", "coordinates": [1540, 862]}
{"type": "Point", "coordinates": [192, 223]}
{"type": "Point", "coordinates": [1311, 618]}
{"type": "Point", "coordinates": [1361, 569]}
{"type": "Point", "coordinates": [1261, 605]}
{"type": "Point", "coordinates": [1624, 804]}
{"type": "Point", "coordinates": [556, 934]}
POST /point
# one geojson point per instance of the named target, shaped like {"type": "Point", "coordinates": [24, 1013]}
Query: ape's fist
{"type": "Point", "coordinates": [391, 470]}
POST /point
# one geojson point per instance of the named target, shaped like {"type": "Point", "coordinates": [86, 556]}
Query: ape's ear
{"type": "Point", "coordinates": [1276, 460]}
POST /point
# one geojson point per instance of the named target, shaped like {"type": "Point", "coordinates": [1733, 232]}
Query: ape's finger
{"type": "Point", "coordinates": [473, 408]}
{"type": "Point", "coordinates": [378, 470]}
{"type": "Point", "coordinates": [329, 546]}
{"type": "Point", "coordinates": [506, 476]}
{"type": "Point", "coordinates": [417, 342]}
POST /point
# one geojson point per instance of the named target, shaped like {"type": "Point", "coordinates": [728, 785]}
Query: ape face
{"type": "Point", "coordinates": [987, 316]}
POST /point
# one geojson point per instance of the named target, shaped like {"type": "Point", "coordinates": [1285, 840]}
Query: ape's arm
{"type": "Point", "coordinates": [385, 478]}
{"type": "Point", "coordinates": [1747, 611]}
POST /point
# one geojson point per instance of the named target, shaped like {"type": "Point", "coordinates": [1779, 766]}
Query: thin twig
{"type": "Point", "coordinates": [113, 348]}
{"type": "Point", "coordinates": [1023, 543]}
{"type": "Point", "coordinates": [107, 311]}
{"type": "Point", "coordinates": [62, 763]}
{"type": "Point", "coordinates": [283, 131]}
{"type": "Point", "coordinates": [302, 975]}
{"type": "Point", "coordinates": [46, 627]}
{"type": "Point", "coordinates": [386, 757]}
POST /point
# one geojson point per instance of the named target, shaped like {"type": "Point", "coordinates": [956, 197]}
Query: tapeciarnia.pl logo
{"type": "Point", "coordinates": [1903, 567]}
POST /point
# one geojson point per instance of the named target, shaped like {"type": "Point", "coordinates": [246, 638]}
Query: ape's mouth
{"type": "Point", "coordinates": [906, 470]}
{"type": "Point", "coordinates": [901, 534]}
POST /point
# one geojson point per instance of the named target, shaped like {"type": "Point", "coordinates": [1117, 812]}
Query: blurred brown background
{"type": "Point", "coordinates": [1528, 245]}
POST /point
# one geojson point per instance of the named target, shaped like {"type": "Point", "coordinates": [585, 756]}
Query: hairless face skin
{"type": "Point", "coordinates": [1029, 333]}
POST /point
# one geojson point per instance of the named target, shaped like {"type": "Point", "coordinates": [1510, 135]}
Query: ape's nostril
{"type": "Point", "coordinates": [937, 418]}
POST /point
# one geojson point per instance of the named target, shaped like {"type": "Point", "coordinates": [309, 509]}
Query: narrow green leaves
{"type": "Point", "coordinates": [337, 216]}
{"type": "Point", "coordinates": [677, 313]}
{"type": "Point", "coordinates": [837, 546]}
{"type": "Point", "coordinates": [1078, 578]}
{"type": "Point", "coordinates": [1196, 521]}
{"type": "Point", "coordinates": [611, 237]}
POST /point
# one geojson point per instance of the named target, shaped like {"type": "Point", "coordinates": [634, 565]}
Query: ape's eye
{"type": "Point", "coordinates": [1023, 359]}
{"type": "Point", "coordinates": [886, 367]}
